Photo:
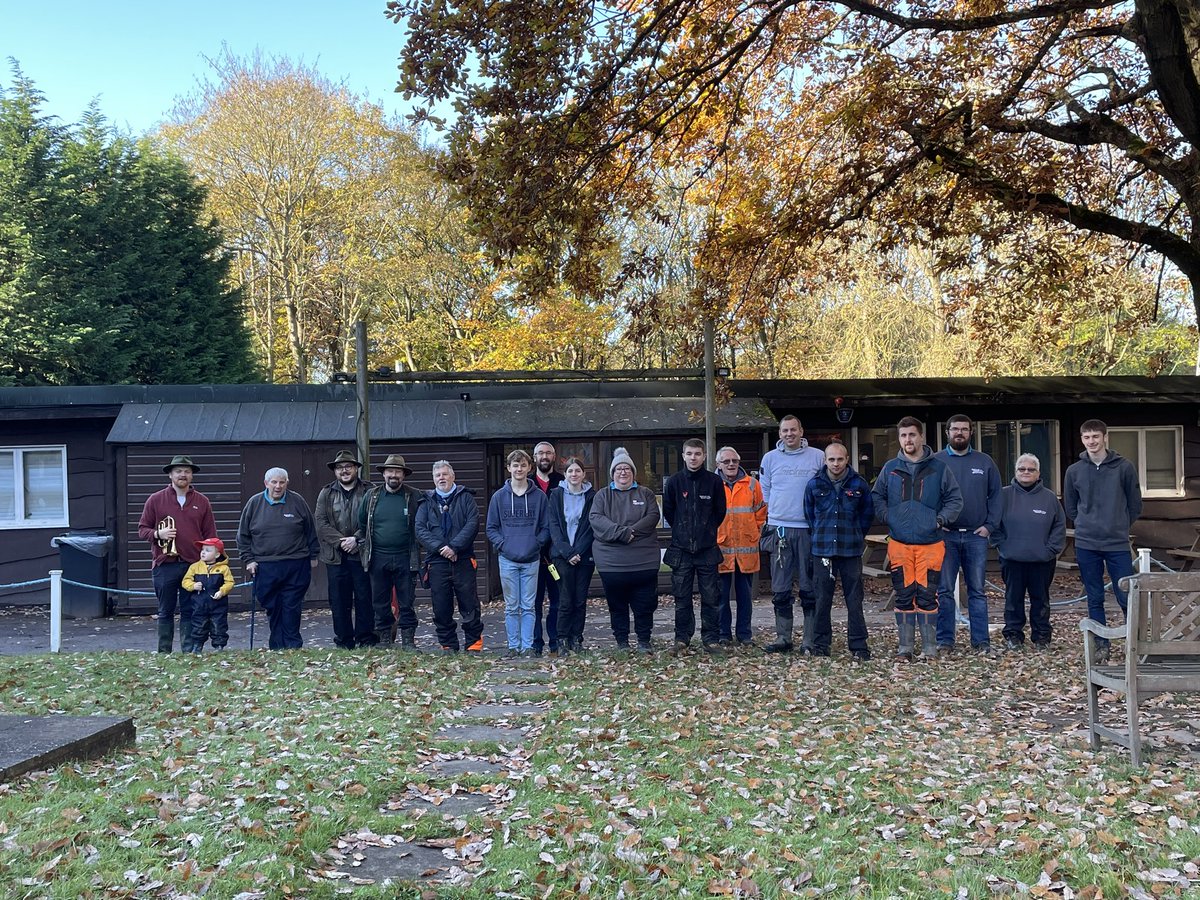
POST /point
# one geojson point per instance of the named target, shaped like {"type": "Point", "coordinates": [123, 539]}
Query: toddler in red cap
{"type": "Point", "coordinates": [212, 581]}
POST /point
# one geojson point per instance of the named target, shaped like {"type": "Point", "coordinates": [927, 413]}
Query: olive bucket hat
{"type": "Point", "coordinates": [177, 461]}
{"type": "Point", "coordinates": [396, 461]}
{"type": "Point", "coordinates": [344, 456]}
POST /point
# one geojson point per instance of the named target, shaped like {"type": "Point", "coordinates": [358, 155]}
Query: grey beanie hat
{"type": "Point", "coordinates": [621, 455]}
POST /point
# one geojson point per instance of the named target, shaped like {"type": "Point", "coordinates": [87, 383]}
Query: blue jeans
{"type": "Point", "coordinates": [738, 584]}
{"type": "Point", "coordinates": [968, 551]}
{"type": "Point", "coordinates": [1091, 572]}
{"type": "Point", "coordinates": [518, 581]}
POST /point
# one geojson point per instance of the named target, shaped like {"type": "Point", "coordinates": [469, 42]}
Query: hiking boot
{"type": "Point", "coordinates": [408, 640]}
{"type": "Point", "coordinates": [679, 647]}
{"type": "Point", "coordinates": [713, 649]}
{"type": "Point", "coordinates": [860, 655]}
{"type": "Point", "coordinates": [644, 647]}
{"type": "Point", "coordinates": [511, 653]}
{"type": "Point", "coordinates": [1100, 655]}
{"type": "Point", "coordinates": [446, 650]}
{"type": "Point", "coordinates": [945, 650]}
{"type": "Point", "coordinates": [1013, 644]}
{"type": "Point", "coordinates": [528, 653]}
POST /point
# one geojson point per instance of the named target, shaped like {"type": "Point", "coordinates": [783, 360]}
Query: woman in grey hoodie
{"type": "Point", "coordinates": [625, 518]}
{"type": "Point", "coordinates": [571, 553]}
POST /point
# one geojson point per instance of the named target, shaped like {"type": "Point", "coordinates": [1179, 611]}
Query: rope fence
{"type": "Point", "coordinates": [1146, 563]}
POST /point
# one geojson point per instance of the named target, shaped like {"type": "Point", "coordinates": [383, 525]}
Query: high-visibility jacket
{"type": "Point", "coordinates": [745, 515]}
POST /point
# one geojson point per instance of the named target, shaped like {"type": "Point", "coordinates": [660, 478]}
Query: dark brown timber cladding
{"type": "Point", "coordinates": [230, 474]}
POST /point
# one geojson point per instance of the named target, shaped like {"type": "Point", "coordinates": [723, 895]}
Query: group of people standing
{"type": "Point", "coordinates": [552, 531]}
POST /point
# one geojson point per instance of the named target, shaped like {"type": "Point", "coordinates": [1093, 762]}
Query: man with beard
{"type": "Point", "coordinates": [916, 496]}
{"type": "Point", "coordinates": [967, 540]}
{"type": "Point", "coordinates": [336, 514]}
{"type": "Point", "coordinates": [545, 479]}
{"type": "Point", "coordinates": [173, 520]}
{"type": "Point", "coordinates": [387, 530]}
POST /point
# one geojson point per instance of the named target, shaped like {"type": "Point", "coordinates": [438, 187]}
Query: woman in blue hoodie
{"type": "Point", "coordinates": [516, 527]}
{"type": "Point", "coordinates": [571, 552]}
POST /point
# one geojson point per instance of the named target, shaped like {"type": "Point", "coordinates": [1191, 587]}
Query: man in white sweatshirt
{"type": "Point", "coordinates": [784, 474]}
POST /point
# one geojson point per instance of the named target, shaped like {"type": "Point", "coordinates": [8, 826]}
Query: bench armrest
{"type": "Point", "coordinates": [1105, 631]}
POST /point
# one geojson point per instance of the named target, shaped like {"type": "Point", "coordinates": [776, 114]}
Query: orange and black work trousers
{"type": "Point", "coordinates": [916, 574]}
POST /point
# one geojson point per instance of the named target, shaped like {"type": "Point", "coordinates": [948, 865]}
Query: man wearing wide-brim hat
{"type": "Point", "coordinates": [388, 535]}
{"type": "Point", "coordinates": [336, 514]}
{"type": "Point", "coordinates": [173, 520]}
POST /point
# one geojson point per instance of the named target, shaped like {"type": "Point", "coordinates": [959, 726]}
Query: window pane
{"type": "Point", "coordinates": [1038, 438]}
{"type": "Point", "coordinates": [8, 488]}
{"type": "Point", "coordinates": [1160, 460]}
{"type": "Point", "coordinates": [43, 479]}
{"type": "Point", "coordinates": [1125, 443]}
{"type": "Point", "coordinates": [586, 453]}
{"type": "Point", "coordinates": [995, 439]}
{"type": "Point", "coordinates": [875, 447]}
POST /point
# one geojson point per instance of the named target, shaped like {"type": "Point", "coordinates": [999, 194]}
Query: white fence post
{"type": "Point", "coordinates": [55, 610]}
{"type": "Point", "coordinates": [1143, 563]}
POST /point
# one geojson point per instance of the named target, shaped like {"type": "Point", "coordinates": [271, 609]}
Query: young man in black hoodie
{"type": "Point", "coordinates": [694, 508]}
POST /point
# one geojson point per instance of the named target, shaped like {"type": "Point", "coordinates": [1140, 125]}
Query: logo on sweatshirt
{"type": "Point", "coordinates": [1040, 512]}
{"type": "Point", "coordinates": [977, 472]}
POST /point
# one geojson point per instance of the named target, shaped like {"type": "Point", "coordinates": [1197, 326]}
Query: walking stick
{"type": "Point", "coordinates": [253, 596]}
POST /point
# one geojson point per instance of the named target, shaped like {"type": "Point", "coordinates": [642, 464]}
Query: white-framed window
{"type": "Point", "coordinates": [1156, 452]}
{"type": "Point", "coordinates": [33, 487]}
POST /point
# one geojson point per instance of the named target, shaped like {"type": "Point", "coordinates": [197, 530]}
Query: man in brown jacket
{"type": "Point", "coordinates": [336, 514]}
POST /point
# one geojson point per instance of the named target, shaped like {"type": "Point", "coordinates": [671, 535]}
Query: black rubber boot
{"type": "Point", "coordinates": [929, 647]}
{"type": "Point", "coordinates": [166, 634]}
{"type": "Point", "coordinates": [783, 635]}
{"type": "Point", "coordinates": [906, 626]}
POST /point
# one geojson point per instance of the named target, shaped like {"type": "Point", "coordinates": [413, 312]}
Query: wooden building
{"type": "Point", "coordinates": [86, 458]}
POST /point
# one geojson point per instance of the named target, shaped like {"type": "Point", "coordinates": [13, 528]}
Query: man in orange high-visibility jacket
{"type": "Point", "coordinates": [745, 515]}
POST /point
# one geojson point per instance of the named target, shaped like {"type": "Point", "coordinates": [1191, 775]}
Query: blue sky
{"type": "Point", "coordinates": [137, 56]}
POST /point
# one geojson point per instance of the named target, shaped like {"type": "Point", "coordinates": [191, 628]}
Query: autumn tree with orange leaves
{"type": "Point", "coordinates": [794, 121]}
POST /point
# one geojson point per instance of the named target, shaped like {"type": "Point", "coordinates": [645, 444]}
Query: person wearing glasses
{"type": "Point", "coordinates": [336, 514]}
{"type": "Point", "coordinates": [745, 515]}
{"type": "Point", "coordinates": [1032, 532]}
{"type": "Point", "coordinates": [967, 538]}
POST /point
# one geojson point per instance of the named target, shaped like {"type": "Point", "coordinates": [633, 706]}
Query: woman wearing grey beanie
{"type": "Point", "coordinates": [625, 518]}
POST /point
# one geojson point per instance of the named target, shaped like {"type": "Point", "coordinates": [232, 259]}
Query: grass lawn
{"type": "Point", "coordinates": [748, 776]}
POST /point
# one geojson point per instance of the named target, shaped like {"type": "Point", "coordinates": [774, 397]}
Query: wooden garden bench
{"type": "Point", "coordinates": [1162, 651]}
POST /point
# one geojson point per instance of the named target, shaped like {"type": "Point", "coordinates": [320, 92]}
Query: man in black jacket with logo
{"type": "Point", "coordinates": [447, 523]}
{"type": "Point", "coordinates": [694, 507]}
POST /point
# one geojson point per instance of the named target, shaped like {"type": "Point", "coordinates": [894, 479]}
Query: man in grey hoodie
{"type": "Point", "coordinates": [784, 474]}
{"type": "Point", "coordinates": [1103, 498]}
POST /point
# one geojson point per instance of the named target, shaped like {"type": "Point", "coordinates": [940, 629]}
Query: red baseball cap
{"type": "Point", "coordinates": [211, 542]}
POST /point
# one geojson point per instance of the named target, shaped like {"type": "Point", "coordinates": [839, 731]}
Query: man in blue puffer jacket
{"type": "Point", "coordinates": [916, 495]}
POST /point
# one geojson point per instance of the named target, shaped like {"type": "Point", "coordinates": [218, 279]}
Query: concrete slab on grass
{"type": "Point", "coordinates": [455, 806]}
{"type": "Point", "coordinates": [502, 711]}
{"type": "Point", "coordinates": [451, 768]}
{"type": "Point", "coordinates": [29, 743]}
{"type": "Point", "coordinates": [474, 734]}
{"type": "Point", "coordinates": [511, 690]}
{"type": "Point", "coordinates": [402, 862]}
